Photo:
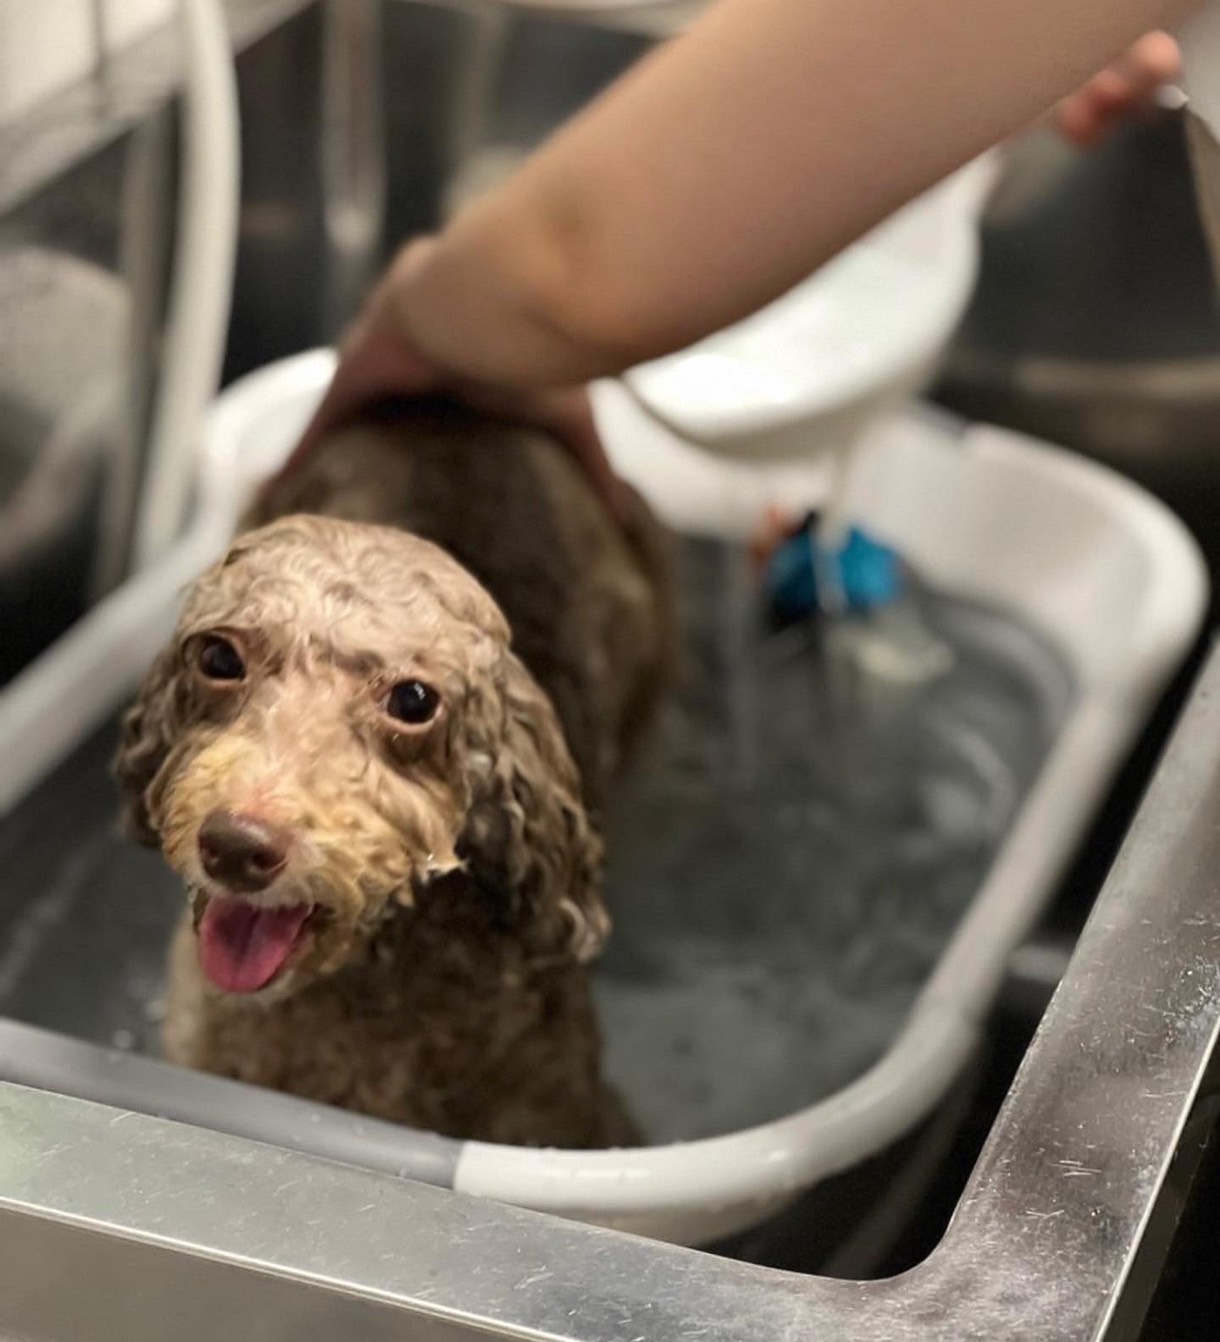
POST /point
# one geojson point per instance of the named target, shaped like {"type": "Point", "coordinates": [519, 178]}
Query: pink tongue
{"type": "Point", "coordinates": [243, 947]}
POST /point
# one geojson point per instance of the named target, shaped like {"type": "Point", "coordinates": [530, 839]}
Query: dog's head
{"type": "Point", "coordinates": [339, 721]}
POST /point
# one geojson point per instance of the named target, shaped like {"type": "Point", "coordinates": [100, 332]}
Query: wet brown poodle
{"type": "Point", "coordinates": [376, 780]}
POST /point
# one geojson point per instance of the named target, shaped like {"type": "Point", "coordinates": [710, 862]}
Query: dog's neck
{"type": "Point", "coordinates": [452, 931]}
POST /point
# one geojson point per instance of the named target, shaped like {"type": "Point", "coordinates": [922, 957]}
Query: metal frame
{"type": "Point", "coordinates": [115, 1225]}
{"type": "Point", "coordinates": [42, 145]}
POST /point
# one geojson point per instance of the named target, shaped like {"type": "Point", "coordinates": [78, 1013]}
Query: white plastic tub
{"type": "Point", "coordinates": [1098, 567]}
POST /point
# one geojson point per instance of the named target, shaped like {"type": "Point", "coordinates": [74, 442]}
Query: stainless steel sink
{"type": "Point", "coordinates": [116, 1225]}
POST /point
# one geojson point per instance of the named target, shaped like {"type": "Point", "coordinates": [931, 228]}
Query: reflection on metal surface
{"type": "Point", "coordinates": [65, 129]}
{"type": "Point", "coordinates": [1094, 323]}
{"type": "Point", "coordinates": [352, 150]}
{"type": "Point", "coordinates": [145, 237]}
{"type": "Point", "coordinates": [175, 1231]}
{"type": "Point", "coordinates": [60, 377]}
{"type": "Point", "coordinates": [658, 18]}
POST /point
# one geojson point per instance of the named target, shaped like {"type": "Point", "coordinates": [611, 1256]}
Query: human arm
{"type": "Point", "coordinates": [730, 164]}
{"type": "Point", "coordinates": [717, 173]}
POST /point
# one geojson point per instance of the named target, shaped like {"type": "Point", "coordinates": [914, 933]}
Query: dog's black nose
{"type": "Point", "coordinates": [240, 853]}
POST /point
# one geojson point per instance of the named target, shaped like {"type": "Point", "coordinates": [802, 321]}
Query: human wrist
{"type": "Point", "coordinates": [471, 304]}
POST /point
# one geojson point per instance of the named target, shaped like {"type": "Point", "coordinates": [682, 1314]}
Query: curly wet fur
{"type": "Point", "coordinates": [454, 868]}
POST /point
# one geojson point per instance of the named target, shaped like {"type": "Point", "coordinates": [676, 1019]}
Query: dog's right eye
{"type": "Point", "coordinates": [412, 702]}
{"type": "Point", "coordinates": [220, 660]}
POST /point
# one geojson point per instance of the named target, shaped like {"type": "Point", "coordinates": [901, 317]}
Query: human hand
{"type": "Point", "coordinates": [379, 360]}
{"type": "Point", "coordinates": [1125, 89]}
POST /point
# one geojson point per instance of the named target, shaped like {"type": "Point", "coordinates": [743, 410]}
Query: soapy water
{"type": "Point", "coordinates": [788, 858]}
{"type": "Point", "coordinates": [792, 854]}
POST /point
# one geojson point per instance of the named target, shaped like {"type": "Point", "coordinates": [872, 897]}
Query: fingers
{"type": "Point", "coordinates": [1154, 60]}
{"type": "Point", "coordinates": [1088, 116]}
{"type": "Point", "coordinates": [1124, 90]}
{"type": "Point", "coordinates": [379, 360]}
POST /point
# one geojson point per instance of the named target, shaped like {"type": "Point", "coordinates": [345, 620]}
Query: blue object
{"type": "Point", "coordinates": [867, 573]}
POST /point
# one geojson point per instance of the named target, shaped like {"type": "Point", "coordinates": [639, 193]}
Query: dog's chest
{"type": "Point", "coordinates": [411, 1048]}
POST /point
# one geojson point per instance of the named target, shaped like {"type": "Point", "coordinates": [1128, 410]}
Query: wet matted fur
{"type": "Point", "coordinates": [451, 867]}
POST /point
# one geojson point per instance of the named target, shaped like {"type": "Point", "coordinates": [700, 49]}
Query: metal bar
{"type": "Point", "coordinates": [353, 152]}
{"type": "Point", "coordinates": [146, 230]}
{"type": "Point", "coordinates": [59, 133]}
{"type": "Point", "coordinates": [53, 1062]}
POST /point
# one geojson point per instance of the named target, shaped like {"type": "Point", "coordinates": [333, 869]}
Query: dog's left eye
{"type": "Point", "coordinates": [220, 660]}
{"type": "Point", "coordinates": [413, 702]}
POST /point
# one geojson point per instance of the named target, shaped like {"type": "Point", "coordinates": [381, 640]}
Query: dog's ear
{"type": "Point", "coordinates": [528, 839]}
{"type": "Point", "coordinates": [145, 739]}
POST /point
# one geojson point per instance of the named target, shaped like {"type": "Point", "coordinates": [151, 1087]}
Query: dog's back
{"type": "Point", "coordinates": [587, 595]}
